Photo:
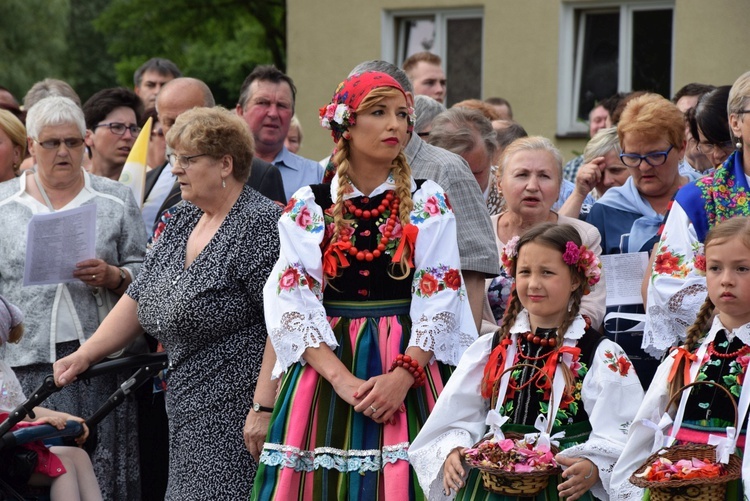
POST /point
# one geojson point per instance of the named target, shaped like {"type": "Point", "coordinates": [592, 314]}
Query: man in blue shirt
{"type": "Point", "coordinates": [266, 103]}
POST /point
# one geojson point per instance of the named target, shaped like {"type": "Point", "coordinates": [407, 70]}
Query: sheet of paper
{"type": "Point", "coordinates": [55, 242]}
{"type": "Point", "coordinates": [624, 276]}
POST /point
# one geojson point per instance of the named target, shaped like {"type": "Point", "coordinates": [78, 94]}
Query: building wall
{"type": "Point", "coordinates": [326, 38]}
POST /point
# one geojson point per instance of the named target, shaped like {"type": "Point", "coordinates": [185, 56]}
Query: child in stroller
{"type": "Point", "coordinates": [67, 470]}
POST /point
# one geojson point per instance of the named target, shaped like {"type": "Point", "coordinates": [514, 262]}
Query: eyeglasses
{"type": "Point", "coordinates": [183, 161]}
{"type": "Point", "coordinates": [654, 159]}
{"type": "Point", "coordinates": [157, 133]}
{"type": "Point", "coordinates": [709, 148]}
{"type": "Point", "coordinates": [120, 128]}
{"type": "Point", "coordinates": [53, 144]}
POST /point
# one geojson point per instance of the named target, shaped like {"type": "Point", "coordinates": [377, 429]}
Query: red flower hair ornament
{"type": "Point", "coordinates": [579, 257]}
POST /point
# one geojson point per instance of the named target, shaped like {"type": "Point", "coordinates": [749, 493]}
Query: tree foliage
{"type": "Point", "coordinates": [94, 44]}
{"type": "Point", "coordinates": [32, 42]}
{"type": "Point", "coordinates": [218, 41]}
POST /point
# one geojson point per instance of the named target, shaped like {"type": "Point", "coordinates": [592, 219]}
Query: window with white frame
{"type": "Point", "coordinates": [454, 35]}
{"type": "Point", "coordinates": [608, 48]}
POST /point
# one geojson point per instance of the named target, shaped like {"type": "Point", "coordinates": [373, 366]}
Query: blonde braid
{"type": "Point", "coordinates": [402, 176]}
{"type": "Point", "coordinates": [341, 159]}
{"type": "Point", "coordinates": [694, 333]}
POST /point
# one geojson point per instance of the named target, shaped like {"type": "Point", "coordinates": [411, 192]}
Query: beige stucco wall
{"type": "Point", "coordinates": [326, 38]}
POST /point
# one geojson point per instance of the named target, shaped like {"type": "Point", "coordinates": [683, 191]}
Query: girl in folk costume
{"type": "Point", "coordinates": [366, 312]}
{"type": "Point", "coordinates": [586, 386]}
{"type": "Point", "coordinates": [717, 349]}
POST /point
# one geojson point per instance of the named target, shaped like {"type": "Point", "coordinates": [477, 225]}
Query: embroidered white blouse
{"type": "Point", "coordinates": [676, 289]}
{"type": "Point", "coordinates": [641, 436]}
{"type": "Point", "coordinates": [295, 316]}
{"type": "Point", "coordinates": [610, 399]}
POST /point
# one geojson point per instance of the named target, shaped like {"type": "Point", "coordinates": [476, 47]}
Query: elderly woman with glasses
{"type": "Point", "coordinates": [677, 287]}
{"type": "Point", "coordinates": [60, 317]}
{"type": "Point", "coordinates": [652, 136]}
{"type": "Point", "coordinates": [200, 293]}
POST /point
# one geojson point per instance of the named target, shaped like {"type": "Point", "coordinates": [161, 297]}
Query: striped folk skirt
{"type": "Point", "coordinates": [318, 447]}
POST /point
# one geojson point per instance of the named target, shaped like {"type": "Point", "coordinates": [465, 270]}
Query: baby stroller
{"type": "Point", "coordinates": [148, 366]}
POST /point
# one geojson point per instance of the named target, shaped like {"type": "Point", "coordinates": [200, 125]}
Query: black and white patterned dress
{"type": "Point", "coordinates": [210, 320]}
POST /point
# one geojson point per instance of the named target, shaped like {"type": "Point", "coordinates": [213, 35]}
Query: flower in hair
{"type": "Point", "coordinates": [337, 117]}
{"type": "Point", "coordinates": [571, 254]}
{"type": "Point", "coordinates": [340, 113]}
{"type": "Point", "coordinates": [509, 253]}
{"type": "Point", "coordinates": [411, 119]}
{"type": "Point", "coordinates": [586, 261]}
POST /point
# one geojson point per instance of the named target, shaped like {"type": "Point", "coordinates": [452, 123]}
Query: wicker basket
{"type": "Point", "coordinates": [507, 483]}
{"type": "Point", "coordinates": [694, 489]}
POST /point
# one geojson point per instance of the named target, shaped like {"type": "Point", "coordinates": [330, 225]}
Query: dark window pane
{"type": "Point", "coordinates": [652, 51]}
{"type": "Point", "coordinates": [600, 59]}
{"type": "Point", "coordinates": [464, 59]}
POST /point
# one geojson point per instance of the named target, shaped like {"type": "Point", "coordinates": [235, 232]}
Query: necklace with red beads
{"type": "Point", "coordinates": [390, 203]}
{"type": "Point", "coordinates": [541, 340]}
{"type": "Point", "coordinates": [734, 354]}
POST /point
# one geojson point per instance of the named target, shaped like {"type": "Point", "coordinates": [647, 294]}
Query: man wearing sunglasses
{"type": "Point", "coordinates": [112, 118]}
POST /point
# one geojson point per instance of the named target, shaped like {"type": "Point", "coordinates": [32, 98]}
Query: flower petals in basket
{"type": "Point", "coordinates": [698, 470]}
{"type": "Point", "coordinates": [513, 465]}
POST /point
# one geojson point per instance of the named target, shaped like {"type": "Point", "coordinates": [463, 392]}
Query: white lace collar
{"type": "Point", "coordinates": [388, 184]}
{"type": "Point", "coordinates": [576, 330]}
{"type": "Point", "coordinates": [743, 331]}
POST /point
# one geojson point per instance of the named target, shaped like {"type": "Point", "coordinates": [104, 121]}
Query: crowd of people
{"type": "Point", "coordinates": [349, 328]}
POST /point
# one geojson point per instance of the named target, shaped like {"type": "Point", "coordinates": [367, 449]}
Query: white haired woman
{"type": "Point", "coordinates": [61, 317]}
{"type": "Point", "coordinates": [530, 177]}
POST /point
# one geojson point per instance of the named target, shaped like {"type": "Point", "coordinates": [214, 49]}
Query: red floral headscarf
{"type": "Point", "coordinates": [340, 113]}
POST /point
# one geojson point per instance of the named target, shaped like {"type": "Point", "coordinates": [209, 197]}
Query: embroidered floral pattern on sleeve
{"type": "Point", "coordinates": [295, 276]}
{"type": "Point", "coordinates": [435, 205]}
{"type": "Point", "coordinates": [617, 362]}
{"type": "Point", "coordinates": [669, 262]}
{"type": "Point", "coordinates": [299, 212]}
{"type": "Point", "coordinates": [430, 281]}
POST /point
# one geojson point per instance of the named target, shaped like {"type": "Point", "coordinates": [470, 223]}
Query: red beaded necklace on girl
{"type": "Point", "coordinates": [390, 202]}
{"type": "Point", "coordinates": [543, 341]}
{"type": "Point", "coordinates": [734, 354]}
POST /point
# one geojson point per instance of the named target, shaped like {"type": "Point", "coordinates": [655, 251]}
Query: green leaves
{"type": "Point", "coordinates": [93, 44]}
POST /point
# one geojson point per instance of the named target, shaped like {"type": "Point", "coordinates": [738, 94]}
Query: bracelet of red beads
{"type": "Point", "coordinates": [411, 365]}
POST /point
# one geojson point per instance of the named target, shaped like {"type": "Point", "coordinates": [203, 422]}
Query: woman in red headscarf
{"type": "Point", "coordinates": [366, 313]}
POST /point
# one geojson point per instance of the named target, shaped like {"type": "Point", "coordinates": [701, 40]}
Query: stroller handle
{"type": "Point", "coordinates": [150, 362]}
{"type": "Point", "coordinates": [40, 432]}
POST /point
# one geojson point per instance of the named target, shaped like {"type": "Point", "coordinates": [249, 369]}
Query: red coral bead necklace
{"type": "Point", "coordinates": [390, 202]}
{"type": "Point", "coordinates": [734, 354]}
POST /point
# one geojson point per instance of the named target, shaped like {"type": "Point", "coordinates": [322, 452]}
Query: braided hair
{"type": "Point", "coordinates": [554, 236]}
{"type": "Point", "coordinates": [401, 175]}
{"type": "Point", "coordinates": [736, 227]}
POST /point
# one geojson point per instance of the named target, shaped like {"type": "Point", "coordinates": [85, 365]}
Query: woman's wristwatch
{"type": "Point", "coordinates": [123, 276]}
{"type": "Point", "coordinates": [259, 408]}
